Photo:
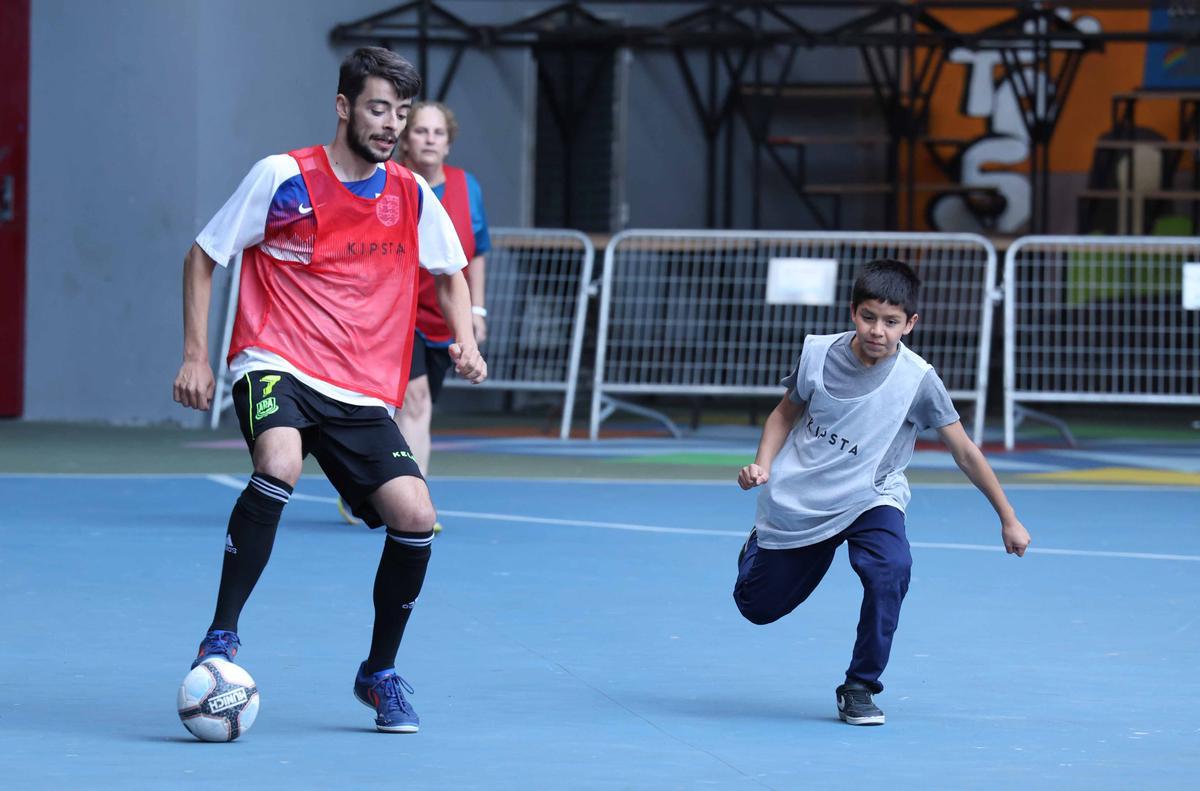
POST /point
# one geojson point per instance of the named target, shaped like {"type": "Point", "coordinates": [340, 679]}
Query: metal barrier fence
{"type": "Point", "coordinates": [1092, 319]}
{"type": "Point", "coordinates": [688, 312]}
{"type": "Point", "coordinates": [537, 291]}
{"type": "Point", "coordinates": [223, 395]}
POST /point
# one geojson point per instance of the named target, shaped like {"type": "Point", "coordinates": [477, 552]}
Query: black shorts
{"type": "Point", "coordinates": [358, 447]}
{"type": "Point", "coordinates": [431, 361]}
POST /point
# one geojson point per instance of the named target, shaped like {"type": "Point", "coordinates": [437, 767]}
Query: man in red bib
{"type": "Point", "coordinates": [332, 238]}
{"type": "Point", "coordinates": [425, 144]}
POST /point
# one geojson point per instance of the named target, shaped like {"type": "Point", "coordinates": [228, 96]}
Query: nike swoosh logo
{"type": "Point", "coordinates": [841, 703]}
{"type": "Point", "coordinates": [304, 210]}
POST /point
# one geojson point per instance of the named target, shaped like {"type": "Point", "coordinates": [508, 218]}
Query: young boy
{"type": "Point", "coordinates": [831, 461]}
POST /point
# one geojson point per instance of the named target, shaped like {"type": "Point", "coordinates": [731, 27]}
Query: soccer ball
{"type": "Point", "coordinates": [218, 701]}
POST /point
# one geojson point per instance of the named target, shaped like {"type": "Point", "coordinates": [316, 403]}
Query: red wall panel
{"type": "Point", "coordinates": [14, 126]}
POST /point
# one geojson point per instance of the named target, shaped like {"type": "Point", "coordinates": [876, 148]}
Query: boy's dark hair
{"type": "Point", "coordinates": [887, 280]}
{"type": "Point", "coordinates": [377, 62]}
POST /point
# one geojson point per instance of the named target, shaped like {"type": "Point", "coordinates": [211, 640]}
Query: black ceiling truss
{"type": "Point", "coordinates": [903, 46]}
{"type": "Point", "coordinates": [568, 92]}
{"type": "Point", "coordinates": [1042, 87]}
{"type": "Point", "coordinates": [717, 107]}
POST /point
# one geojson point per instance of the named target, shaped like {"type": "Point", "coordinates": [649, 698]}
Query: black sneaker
{"type": "Point", "coordinates": [856, 707]}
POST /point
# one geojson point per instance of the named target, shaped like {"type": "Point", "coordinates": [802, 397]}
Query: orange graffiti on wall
{"type": "Point", "coordinates": [966, 110]}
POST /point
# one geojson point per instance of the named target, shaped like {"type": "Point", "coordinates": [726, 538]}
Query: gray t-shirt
{"type": "Point", "coordinates": [848, 451]}
{"type": "Point", "coordinates": [846, 377]}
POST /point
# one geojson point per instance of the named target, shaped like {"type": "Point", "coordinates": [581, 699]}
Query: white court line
{"type": "Point", "coordinates": [541, 520]}
{"type": "Point", "coordinates": [232, 482]}
{"type": "Point", "coordinates": [730, 483]}
{"type": "Point", "coordinates": [101, 476]}
{"type": "Point", "coordinates": [1091, 553]}
{"type": "Point", "coordinates": [237, 483]}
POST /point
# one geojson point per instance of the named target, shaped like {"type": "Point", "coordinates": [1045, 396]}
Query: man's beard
{"type": "Point", "coordinates": [361, 148]}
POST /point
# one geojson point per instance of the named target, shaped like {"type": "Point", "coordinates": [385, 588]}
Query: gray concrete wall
{"type": "Point", "coordinates": [145, 114]}
{"type": "Point", "coordinates": [113, 173]}
{"type": "Point", "coordinates": [144, 117]}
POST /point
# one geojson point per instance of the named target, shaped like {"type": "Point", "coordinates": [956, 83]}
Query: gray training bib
{"type": "Point", "coordinates": [825, 474]}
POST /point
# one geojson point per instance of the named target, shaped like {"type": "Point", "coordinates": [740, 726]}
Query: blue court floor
{"type": "Point", "coordinates": [577, 635]}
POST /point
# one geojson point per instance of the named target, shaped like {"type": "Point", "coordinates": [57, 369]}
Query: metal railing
{"type": "Point", "coordinates": [537, 292]}
{"type": "Point", "coordinates": [1092, 319]}
{"type": "Point", "coordinates": [687, 312]}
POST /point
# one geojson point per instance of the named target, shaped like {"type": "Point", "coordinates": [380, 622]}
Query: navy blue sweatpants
{"type": "Point", "coordinates": [773, 582]}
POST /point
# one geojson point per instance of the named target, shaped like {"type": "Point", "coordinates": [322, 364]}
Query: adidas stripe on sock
{"type": "Point", "coordinates": [271, 487]}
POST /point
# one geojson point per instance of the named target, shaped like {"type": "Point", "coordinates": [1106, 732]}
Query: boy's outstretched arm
{"type": "Point", "coordinates": [971, 461]}
{"type": "Point", "coordinates": [775, 431]}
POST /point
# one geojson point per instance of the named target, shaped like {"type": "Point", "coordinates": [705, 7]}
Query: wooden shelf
{"type": "Point", "coordinates": [883, 188]}
{"type": "Point", "coordinates": [1117, 194]}
{"type": "Point", "coordinates": [947, 141]}
{"type": "Point", "coordinates": [861, 188]}
{"type": "Point", "coordinates": [1169, 145]}
{"type": "Point", "coordinates": [959, 188]}
{"type": "Point", "coordinates": [1163, 95]}
{"type": "Point", "coordinates": [868, 139]}
{"type": "Point", "coordinates": [828, 140]}
{"type": "Point", "coordinates": [812, 91]}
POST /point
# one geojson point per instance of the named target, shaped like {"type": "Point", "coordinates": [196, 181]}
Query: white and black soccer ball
{"type": "Point", "coordinates": [218, 701]}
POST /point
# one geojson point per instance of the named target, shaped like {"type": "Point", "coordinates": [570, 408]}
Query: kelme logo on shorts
{"type": "Point", "coordinates": [265, 407]}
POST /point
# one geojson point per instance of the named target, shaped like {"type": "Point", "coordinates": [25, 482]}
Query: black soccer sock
{"type": "Point", "coordinates": [248, 545]}
{"type": "Point", "coordinates": [397, 585]}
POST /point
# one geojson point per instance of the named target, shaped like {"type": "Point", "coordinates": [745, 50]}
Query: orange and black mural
{"type": "Point", "coordinates": [976, 112]}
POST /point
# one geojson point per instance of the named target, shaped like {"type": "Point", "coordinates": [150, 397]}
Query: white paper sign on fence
{"type": "Point", "coordinates": [802, 281]}
{"type": "Point", "coordinates": [1191, 286]}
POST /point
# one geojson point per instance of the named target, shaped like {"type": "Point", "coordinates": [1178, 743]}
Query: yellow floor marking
{"type": "Point", "coordinates": [1119, 475]}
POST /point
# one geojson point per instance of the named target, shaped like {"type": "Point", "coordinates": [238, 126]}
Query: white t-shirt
{"type": "Point", "coordinates": [270, 198]}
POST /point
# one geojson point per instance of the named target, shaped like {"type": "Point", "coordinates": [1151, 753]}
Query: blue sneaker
{"type": "Point", "coordinates": [384, 692]}
{"type": "Point", "coordinates": [219, 644]}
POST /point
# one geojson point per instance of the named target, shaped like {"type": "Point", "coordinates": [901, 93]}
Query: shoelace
{"type": "Point", "coordinates": [389, 691]}
{"type": "Point", "coordinates": [859, 696]}
{"type": "Point", "coordinates": [221, 644]}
